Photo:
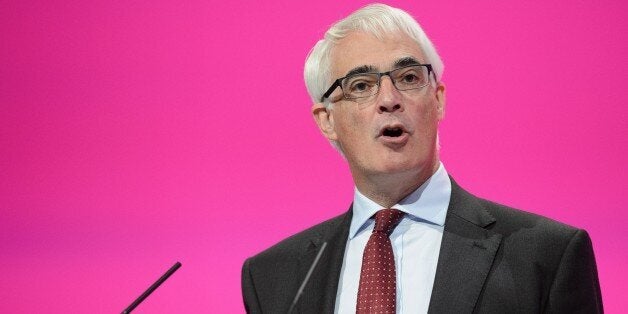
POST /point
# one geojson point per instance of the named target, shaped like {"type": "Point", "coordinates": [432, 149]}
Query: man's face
{"type": "Point", "coordinates": [368, 133]}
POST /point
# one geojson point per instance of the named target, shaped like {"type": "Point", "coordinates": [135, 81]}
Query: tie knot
{"type": "Point", "coordinates": [387, 219]}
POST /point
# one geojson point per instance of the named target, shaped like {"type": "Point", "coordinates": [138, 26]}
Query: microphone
{"type": "Point", "coordinates": [152, 288]}
{"type": "Point", "coordinates": [307, 277]}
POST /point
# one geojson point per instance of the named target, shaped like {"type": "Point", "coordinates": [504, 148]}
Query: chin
{"type": "Point", "coordinates": [399, 167]}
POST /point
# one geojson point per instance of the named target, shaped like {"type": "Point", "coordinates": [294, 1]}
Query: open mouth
{"type": "Point", "coordinates": [392, 132]}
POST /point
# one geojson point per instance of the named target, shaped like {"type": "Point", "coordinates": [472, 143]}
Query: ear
{"type": "Point", "coordinates": [325, 120]}
{"type": "Point", "coordinates": [439, 94]}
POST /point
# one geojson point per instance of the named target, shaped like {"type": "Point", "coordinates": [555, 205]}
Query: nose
{"type": "Point", "coordinates": [389, 98]}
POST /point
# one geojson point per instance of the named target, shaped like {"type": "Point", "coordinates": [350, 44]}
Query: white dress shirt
{"type": "Point", "coordinates": [415, 241]}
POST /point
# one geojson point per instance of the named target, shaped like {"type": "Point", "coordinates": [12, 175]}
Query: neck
{"type": "Point", "coordinates": [388, 189]}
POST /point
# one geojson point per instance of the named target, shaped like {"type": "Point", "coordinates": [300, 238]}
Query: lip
{"type": "Point", "coordinates": [392, 126]}
{"type": "Point", "coordinates": [391, 141]}
{"type": "Point", "coordinates": [395, 141]}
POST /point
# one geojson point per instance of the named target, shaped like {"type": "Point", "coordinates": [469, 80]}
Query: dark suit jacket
{"type": "Point", "coordinates": [493, 259]}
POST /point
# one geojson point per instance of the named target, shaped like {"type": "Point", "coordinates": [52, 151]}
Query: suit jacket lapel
{"type": "Point", "coordinates": [466, 254]}
{"type": "Point", "coordinates": [319, 295]}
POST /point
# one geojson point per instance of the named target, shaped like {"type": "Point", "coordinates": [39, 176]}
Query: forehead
{"type": "Point", "coordinates": [361, 49]}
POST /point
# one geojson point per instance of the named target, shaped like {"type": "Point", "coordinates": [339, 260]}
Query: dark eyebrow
{"type": "Point", "coordinates": [361, 69]}
{"type": "Point", "coordinates": [406, 62]}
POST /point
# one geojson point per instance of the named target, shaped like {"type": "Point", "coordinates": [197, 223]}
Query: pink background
{"type": "Point", "coordinates": [136, 134]}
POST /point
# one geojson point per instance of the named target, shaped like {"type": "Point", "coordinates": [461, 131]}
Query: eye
{"type": "Point", "coordinates": [360, 85]}
{"type": "Point", "coordinates": [409, 78]}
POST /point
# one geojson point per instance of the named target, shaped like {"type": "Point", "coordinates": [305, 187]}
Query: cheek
{"type": "Point", "coordinates": [430, 113]}
{"type": "Point", "coordinates": [353, 133]}
{"type": "Point", "coordinates": [427, 124]}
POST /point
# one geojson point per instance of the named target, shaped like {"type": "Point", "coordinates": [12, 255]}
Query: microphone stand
{"type": "Point", "coordinates": [152, 288]}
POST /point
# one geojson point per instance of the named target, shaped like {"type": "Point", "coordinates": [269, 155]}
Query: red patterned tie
{"type": "Point", "coordinates": [377, 291]}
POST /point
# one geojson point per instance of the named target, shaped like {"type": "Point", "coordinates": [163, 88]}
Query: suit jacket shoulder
{"type": "Point", "coordinates": [271, 278]}
{"type": "Point", "coordinates": [496, 258]}
{"type": "Point", "coordinates": [290, 247]}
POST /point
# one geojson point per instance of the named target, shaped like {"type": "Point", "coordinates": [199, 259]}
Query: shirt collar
{"type": "Point", "coordinates": [428, 202]}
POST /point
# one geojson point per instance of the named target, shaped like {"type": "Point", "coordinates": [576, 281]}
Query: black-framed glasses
{"type": "Point", "coordinates": [363, 85]}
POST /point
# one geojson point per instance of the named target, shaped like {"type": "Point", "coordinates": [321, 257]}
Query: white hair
{"type": "Point", "coordinates": [375, 19]}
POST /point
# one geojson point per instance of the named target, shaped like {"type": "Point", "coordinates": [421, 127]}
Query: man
{"type": "Point", "coordinates": [413, 241]}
